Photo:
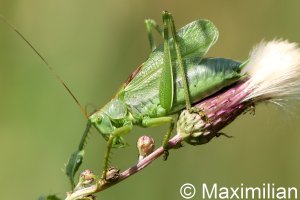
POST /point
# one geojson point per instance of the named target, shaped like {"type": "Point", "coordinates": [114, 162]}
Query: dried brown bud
{"type": "Point", "coordinates": [112, 174]}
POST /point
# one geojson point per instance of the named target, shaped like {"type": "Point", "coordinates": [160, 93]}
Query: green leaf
{"type": "Point", "coordinates": [73, 165]}
{"type": "Point", "coordinates": [49, 197]}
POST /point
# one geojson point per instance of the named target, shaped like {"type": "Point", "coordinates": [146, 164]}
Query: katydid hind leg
{"type": "Point", "coordinates": [166, 86]}
{"type": "Point", "coordinates": [150, 25]}
{"type": "Point", "coordinates": [166, 140]}
{"type": "Point", "coordinates": [182, 70]}
{"type": "Point", "coordinates": [167, 83]}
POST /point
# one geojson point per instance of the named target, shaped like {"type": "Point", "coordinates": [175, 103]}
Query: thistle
{"type": "Point", "coordinates": [272, 74]}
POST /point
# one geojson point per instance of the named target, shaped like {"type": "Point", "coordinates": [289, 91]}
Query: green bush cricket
{"type": "Point", "coordinates": [175, 76]}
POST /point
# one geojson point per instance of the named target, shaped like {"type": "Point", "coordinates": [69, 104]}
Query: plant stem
{"type": "Point", "coordinates": [173, 143]}
{"type": "Point", "coordinates": [220, 109]}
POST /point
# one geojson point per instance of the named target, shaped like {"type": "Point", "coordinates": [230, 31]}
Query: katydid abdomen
{"type": "Point", "coordinates": [205, 77]}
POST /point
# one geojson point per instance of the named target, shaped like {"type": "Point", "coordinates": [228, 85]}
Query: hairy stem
{"type": "Point", "coordinates": [220, 109]}
{"type": "Point", "coordinates": [173, 143]}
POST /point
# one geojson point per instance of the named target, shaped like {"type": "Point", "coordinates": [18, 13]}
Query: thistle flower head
{"type": "Point", "coordinates": [272, 74]}
{"type": "Point", "coordinates": [274, 70]}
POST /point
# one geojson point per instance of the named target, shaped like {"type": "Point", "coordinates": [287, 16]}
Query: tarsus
{"type": "Point", "coordinates": [48, 65]}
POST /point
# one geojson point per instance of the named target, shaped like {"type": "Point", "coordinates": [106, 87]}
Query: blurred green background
{"type": "Point", "coordinates": [94, 46]}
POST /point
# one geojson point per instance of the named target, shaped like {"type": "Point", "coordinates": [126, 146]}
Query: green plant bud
{"type": "Point", "coordinates": [87, 177]}
{"type": "Point", "coordinates": [190, 124]}
{"type": "Point", "coordinates": [145, 145]}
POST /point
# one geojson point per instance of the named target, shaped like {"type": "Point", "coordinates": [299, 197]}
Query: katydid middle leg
{"type": "Point", "coordinates": [150, 25]}
{"type": "Point", "coordinates": [150, 122]}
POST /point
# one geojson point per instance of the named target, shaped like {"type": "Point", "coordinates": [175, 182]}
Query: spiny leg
{"type": "Point", "coordinates": [166, 85]}
{"type": "Point", "coordinates": [160, 121]}
{"type": "Point", "coordinates": [106, 156]}
{"type": "Point", "coordinates": [76, 157]}
{"type": "Point", "coordinates": [166, 140]}
{"type": "Point", "coordinates": [118, 132]}
{"type": "Point", "coordinates": [168, 21]}
{"type": "Point", "coordinates": [150, 25]}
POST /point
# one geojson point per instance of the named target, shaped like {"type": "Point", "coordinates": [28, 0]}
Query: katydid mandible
{"type": "Point", "coordinates": [175, 76]}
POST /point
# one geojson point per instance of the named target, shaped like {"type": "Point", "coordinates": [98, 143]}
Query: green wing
{"type": "Point", "coordinates": [195, 39]}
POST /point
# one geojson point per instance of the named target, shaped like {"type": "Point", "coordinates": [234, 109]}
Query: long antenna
{"type": "Point", "coordinates": [48, 66]}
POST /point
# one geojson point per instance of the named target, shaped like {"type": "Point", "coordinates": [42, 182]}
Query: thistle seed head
{"type": "Point", "coordinates": [274, 71]}
{"type": "Point", "coordinates": [272, 74]}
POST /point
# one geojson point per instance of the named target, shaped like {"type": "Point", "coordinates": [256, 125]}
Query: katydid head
{"type": "Point", "coordinates": [108, 119]}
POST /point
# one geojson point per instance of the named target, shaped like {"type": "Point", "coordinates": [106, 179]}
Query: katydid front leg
{"type": "Point", "coordinates": [118, 132]}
